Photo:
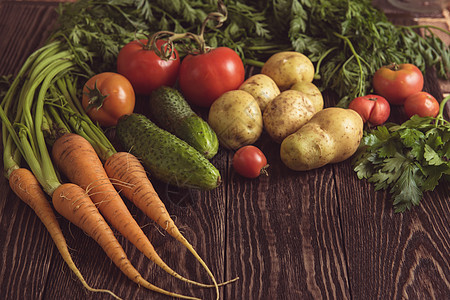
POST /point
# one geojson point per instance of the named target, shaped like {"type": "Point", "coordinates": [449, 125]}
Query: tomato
{"type": "Point", "coordinates": [373, 109]}
{"type": "Point", "coordinates": [249, 161]}
{"type": "Point", "coordinates": [108, 96]}
{"type": "Point", "coordinates": [396, 82]}
{"type": "Point", "coordinates": [421, 104]}
{"type": "Point", "coordinates": [145, 69]}
{"type": "Point", "coordinates": [205, 77]}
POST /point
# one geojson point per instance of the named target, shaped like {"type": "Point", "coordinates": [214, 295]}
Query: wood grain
{"type": "Point", "coordinates": [322, 234]}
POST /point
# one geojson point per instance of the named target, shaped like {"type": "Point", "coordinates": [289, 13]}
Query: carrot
{"type": "Point", "coordinates": [73, 203]}
{"type": "Point", "coordinates": [130, 177]}
{"type": "Point", "coordinates": [77, 159]}
{"type": "Point", "coordinates": [27, 188]}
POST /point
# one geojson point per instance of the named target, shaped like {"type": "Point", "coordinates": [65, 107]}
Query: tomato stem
{"type": "Point", "coordinates": [440, 117]}
{"type": "Point", "coordinates": [96, 98]}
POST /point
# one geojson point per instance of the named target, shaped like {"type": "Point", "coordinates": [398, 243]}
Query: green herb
{"type": "Point", "coordinates": [350, 40]}
{"type": "Point", "coordinates": [347, 40]}
{"type": "Point", "coordinates": [406, 159]}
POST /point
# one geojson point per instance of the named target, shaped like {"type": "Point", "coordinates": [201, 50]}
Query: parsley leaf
{"type": "Point", "coordinates": [406, 159]}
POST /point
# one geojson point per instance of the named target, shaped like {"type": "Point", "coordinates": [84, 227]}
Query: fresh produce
{"type": "Point", "coordinates": [205, 76]}
{"type": "Point", "coordinates": [149, 64]}
{"type": "Point", "coordinates": [262, 88]}
{"type": "Point", "coordinates": [25, 185]}
{"type": "Point", "coordinates": [373, 109]}
{"type": "Point", "coordinates": [108, 96]}
{"type": "Point", "coordinates": [125, 167]}
{"type": "Point", "coordinates": [249, 161]}
{"type": "Point", "coordinates": [407, 159]}
{"type": "Point", "coordinates": [287, 68]}
{"type": "Point", "coordinates": [285, 114]}
{"type": "Point", "coordinates": [422, 104]}
{"type": "Point", "coordinates": [332, 135]}
{"type": "Point", "coordinates": [396, 82]}
{"type": "Point", "coordinates": [75, 157]}
{"type": "Point", "coordinates": [74, 204]}
{"type": "Point", "coordinates": [236, 118]}
{"type": "Point", "coordinates": [48, 89]}
{"type": "Point", "coordinates": [165, 156]}
{"type": "Point", "coordinates": [346, 53]}
{"type": "Point", "coordinates": [311, 91]}
{"type": "Point", "coordinates": [93, 32]}
{"type": "Point", "coordinates": [50, 109]}
{"type": "Point", "coordinates": [170, 111]}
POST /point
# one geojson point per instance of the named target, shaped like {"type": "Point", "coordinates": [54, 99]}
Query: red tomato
{"type": "Point", "coordinates": [421, 104]}
{"type": "Point", "coordinates": [145, 69]}
{"type": "Point", "coordinates": [396, 82]}
{"type": "Point", "coordinates": [372, 108]}
{"type": "Point", "coordinates": [108, 96]}
{"type": "Point", "coordinates": [204, 77]}
{"type": "Point", "coordinates": [250, 162]}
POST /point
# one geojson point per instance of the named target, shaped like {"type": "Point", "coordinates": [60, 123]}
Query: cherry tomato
{"type": "Point", "coordinates": [108, 96]}
{"type": "Point", "coordinates": [373, 109]}
{"type": "Point", "coordinates": [421, 104]}
{"type": "Point", "coordinates": [145, 69]}
{"type": "Point", "coordinates": [250, 162]}
{"type": "Point", "coordinates": [396, 82]}
{"type": "Point", "coordinates": [204, 77]}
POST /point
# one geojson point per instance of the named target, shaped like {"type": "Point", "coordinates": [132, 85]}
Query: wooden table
{"type": "Point", "coordinates": [321, 234]}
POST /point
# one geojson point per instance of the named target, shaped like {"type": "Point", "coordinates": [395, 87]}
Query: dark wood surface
{"type": "Point", "coordinates": [321, 234]}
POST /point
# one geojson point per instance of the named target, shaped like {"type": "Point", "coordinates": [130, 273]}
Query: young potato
{"type": "Point", "coordinates": [236, 118]}
{"type": "Point", "coordinates": [311, 91]}
{"type": "Point", "coordinates": [288, 67]}
{"type": "Point", "coordinates": [262, 88]}
{"type": "Point", "coordinates": [331, 136]}
{"type": "Point", "coordinates": [289, 111]}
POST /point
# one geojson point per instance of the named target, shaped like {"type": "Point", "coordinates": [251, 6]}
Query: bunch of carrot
{"type": "Point", "coordinates": [48, 113]}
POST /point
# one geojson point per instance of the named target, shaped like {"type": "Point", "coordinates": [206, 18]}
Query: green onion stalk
{"type": "Point", "coordinates": [40, 105]}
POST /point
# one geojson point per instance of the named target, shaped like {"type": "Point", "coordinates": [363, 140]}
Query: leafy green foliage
{"type": "Point", "coordinates": [406, 159]}
{"type": "Point", "coordinates": [347, 40]}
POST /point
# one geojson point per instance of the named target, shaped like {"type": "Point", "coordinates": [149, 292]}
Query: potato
{"type": "Point", "coordinates": [311, 91]}
{"type": "Point", "coordinates": [332, 135]}
{"type": "Point", "coordinates": [236, 118]}
{"type": "Point", "coordinates": [262, 88]}
{"type": "Point", "coordinates": [287, 68]}
{"type": "Point", "coordinates": [287, 113]}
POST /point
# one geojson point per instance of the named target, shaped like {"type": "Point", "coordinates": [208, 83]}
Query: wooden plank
{"type": "Point", "coordinates": [285, 234]}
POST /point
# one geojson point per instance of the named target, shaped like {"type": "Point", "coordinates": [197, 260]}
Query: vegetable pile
{"type": "Point", "coordinates": [406, 159]}
{"type": "Point", "coordinates": [327, 31]}
{"type": "Point", "coordinates": [105, 57]}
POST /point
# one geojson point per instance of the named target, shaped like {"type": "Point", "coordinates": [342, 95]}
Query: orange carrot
{"type": "Point", "coordinates": [77, 159]}
{"type": "Point", "coordinates": [73, 203]}
{"type": "Point", "coordinates": [130, 177]}
{"type": "Point", "coordinates": [27, 188]}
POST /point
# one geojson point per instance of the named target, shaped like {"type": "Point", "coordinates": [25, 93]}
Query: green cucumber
{"type": "Point", "coordinates": [165, 156]}
{"type": "Point", "coordinates": [170, 111]}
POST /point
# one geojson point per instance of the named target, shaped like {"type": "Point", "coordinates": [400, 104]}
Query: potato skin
{"type": "Point", "coordinates": [332, 135]}
{"type": "Point", "coordinates": [287, 113]}
{"type": "Point", "coordinates": [288, 67]}
{"type": "Point", "coordinates": [236, 118]}
{"type": "Point", "coordinates": [311, 91]}
{"type": "Point", "coordinates": [262, 88]}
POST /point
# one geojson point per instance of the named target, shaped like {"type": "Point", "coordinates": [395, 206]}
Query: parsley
{"type": "Point", "coordinates": [406, 159]}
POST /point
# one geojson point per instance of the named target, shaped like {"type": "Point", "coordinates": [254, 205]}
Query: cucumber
{"type": "Point", "coordinates": [170, 111]}
{"type": "Point", "coordinates": [165, 156]}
